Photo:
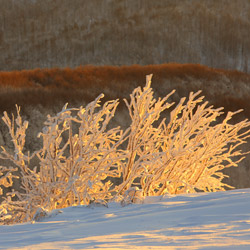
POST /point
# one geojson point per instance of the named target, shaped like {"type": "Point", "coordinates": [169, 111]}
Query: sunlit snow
{"type": "Point", "coordinates": [192, 221]}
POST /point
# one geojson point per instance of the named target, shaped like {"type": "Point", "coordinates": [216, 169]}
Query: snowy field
{"type": "Point", "coordinates": [195, 221]}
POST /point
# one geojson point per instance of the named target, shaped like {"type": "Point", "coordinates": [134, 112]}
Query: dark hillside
{"type": "Point", "coordinates": [69, 33]}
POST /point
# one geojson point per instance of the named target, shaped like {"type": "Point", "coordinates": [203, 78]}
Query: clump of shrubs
{"type": "Point", "coordinates": [84, 161]}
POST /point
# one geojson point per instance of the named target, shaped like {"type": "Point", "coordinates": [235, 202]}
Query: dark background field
{"type": "Point", "coordinates": [69, 33]}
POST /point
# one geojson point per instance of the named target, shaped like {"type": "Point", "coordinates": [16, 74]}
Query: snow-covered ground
{"type": "Point", "coordinates": [195, 221]}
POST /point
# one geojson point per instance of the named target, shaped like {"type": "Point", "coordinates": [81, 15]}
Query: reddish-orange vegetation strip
{"type": "Point", "coordinates": [81, 77]}
{"type": "Point", "coordinates": [49, 86]}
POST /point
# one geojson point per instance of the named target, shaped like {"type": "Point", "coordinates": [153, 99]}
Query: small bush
{"type": "Point", "coordinates": [84, 161]}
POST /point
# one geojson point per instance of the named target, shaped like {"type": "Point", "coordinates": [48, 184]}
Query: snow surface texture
{"type": "Point", "coordinates": [218, 220]}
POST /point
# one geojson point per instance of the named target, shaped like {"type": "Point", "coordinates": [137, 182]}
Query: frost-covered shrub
{"type": "Point", "coordinates": [77, 157]}
{"type": "Point", "coordinates": [6, 177]}
{"type": "Point", "coordinates": [84, 161]}
{"type": "Point", "coordinates": [185, 153]}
